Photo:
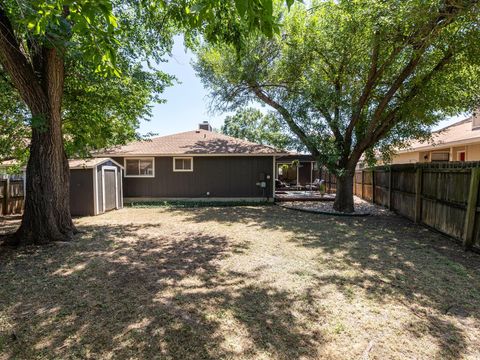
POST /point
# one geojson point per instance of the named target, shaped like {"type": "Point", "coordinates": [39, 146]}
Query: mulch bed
{"type": "Point", "coordinates": [362, 208]}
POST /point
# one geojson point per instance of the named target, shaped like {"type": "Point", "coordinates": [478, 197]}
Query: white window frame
{"type": "Point", "coordinates": [139, 158]}
{"type": "Point", "coordinates": [440, 152]}
{"type": "Point", "coordinates": [183, 158]}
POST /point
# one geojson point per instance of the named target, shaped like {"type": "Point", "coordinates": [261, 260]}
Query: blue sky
{"type": "Point", "coordinates": [187, 101]}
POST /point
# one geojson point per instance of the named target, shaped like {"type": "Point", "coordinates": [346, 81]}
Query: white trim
{"type": "Point", "coordinates": [183, 158]}
{"type": "Point", "coordinates": [96, 210]}
{"type": "Point", "coordinates": [116, 163]}
{"type": "Point", "coordinates": [121, 187]}
{"type": "Point", "coordinates": [103, 185]}
{"type": "Point", "coordinates": [274, 177]}
{"type": "Point", "coordinates": [139, 158]}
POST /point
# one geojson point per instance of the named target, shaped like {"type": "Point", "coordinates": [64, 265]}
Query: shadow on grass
{"type": "Point", "coordinates": [391, 258]}
{"type": "Point", "coordinates": [129, 291]}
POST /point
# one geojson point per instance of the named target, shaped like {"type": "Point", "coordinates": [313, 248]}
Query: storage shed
{"type": "Point", "coordinates": [95, 186]}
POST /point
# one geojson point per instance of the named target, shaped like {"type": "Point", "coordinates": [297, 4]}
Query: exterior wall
{"type": "Point", "coordinates": [405, 158]}
{"type": "Point", "coordinates": [81, 192]}
{"type": "Point", "coordinates": [473, 152]}
{"type": "Point", "coordinates": [220, 176]}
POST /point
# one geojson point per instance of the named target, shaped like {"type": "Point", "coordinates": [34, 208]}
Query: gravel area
{"type": "Point", "coordinates": [362, 207]}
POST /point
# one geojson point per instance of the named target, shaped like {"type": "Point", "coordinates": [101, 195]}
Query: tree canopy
{"type": "Point", "coordinates": [85, 72]}
{"type": "Point", "coordinates": [353, 78]}
{"type": "Point", "coordinates": [253, 125]}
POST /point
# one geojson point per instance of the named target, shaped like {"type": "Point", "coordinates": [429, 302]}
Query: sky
{"type": "Point", "coordinates": [187, 101]}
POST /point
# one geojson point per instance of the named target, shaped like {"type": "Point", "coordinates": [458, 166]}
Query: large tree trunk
{"type": "Point", "coordinates": [39, 80]}
{"type": "Point", "coordinates": [344, 193]}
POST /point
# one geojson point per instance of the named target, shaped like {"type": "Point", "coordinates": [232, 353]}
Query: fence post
{"type": "Point", "coordinates": [373, 186]}
{"type": "Point", "coordinates": [4, 193]}
{"type": "Point", "coordinates": [355, 182]}
{"type": "Point", "coordinates": [362, 183]}
{"type": "Point", "coordinates": [471, 208]}
{"type": "Point", "coordinates": [390, 194]}
{"type": "Point", "coordinates": [6, 196]}
{"type": "Point", "coordinates": [418, 195]}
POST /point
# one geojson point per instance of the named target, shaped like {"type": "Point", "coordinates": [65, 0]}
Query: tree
{"type": "Point", "coordinates": [43, 48]}
{"type": "Point", "coordinates": [354, 78]}
{"type": "Point", "coordinates": [38, 39]}
{"type": "Point", "coordinates": [253, 125]}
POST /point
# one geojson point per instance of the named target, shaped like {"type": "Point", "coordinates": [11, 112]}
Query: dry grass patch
{"type": "Point", "coordinates": [241, 283]}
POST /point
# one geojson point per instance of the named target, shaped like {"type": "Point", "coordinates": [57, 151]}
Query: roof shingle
{"type": "Point", "coordinates": [197, 142]}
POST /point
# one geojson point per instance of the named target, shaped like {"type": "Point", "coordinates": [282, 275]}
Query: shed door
{"type": "Point", "coordinates": [110, 190]}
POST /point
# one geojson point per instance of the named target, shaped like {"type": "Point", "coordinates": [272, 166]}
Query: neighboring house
{"type": "Point", "coordinates": [457, 142]}
{"type": "Point", "coordinates": [196, 164]}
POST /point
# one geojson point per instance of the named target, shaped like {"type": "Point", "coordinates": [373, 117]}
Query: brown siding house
{"type": "Point", "coordinates": [199, 164]}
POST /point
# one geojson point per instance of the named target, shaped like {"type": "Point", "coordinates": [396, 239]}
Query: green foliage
{"type": "Point", "coordinates": [14, 128]}
{"type": "Point", "coordinates": [354, 77]}
{"type": "Point", "coordinates": [112, 51]}
{"type": "Point", "coordinates": [253, 125]}
{"type": "Point", "coordinates": [226, 20]}
{"type": "Point", "coordinates": [103, 112]}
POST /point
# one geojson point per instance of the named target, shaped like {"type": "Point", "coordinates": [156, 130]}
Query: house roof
{"type": "Point", "coordinates": [88, 163]}
{"type": "Point", "coordinates": [197, 142]}
{"type": "Point", "coordinates": [459, 133]}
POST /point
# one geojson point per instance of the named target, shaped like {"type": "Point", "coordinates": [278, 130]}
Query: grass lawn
{"type": "Point", "coordinates": [240, 283]}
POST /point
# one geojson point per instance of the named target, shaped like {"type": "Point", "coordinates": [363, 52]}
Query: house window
{"type": "Point", "coordinates": [440, 156]}
{"type": "Point", "coordinates": [182, 164]}
{"type": "Point", "coordinates": [139, 167]}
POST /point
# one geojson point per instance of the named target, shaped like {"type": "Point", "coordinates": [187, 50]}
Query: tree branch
{"type": "Point", "coordinates": [390, 120]}
{"type": "Point", "coordinates": [17, 66]}
{"type": "Point", "coordinates": [286, 116]}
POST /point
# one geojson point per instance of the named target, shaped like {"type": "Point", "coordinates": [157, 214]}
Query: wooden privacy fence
{"type": "Point", "coordinates": [11, 197]}
{"type": "Point", "coordinates": [330, 180]}
{"type": "Point", "coordinates": [443, 196]}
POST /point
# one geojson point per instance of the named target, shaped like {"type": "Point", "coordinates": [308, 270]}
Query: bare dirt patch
{"type": "Point", "coordinates": [242, 283]}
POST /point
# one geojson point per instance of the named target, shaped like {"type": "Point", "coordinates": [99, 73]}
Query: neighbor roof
{"type": "Point", "coordinates": [458, 133]}
{"type": "Point", "coordinates": [197, 142]}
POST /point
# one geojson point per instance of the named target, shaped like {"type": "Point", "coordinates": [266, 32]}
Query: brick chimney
{"type": "Point", "coordinates": [205, 126]}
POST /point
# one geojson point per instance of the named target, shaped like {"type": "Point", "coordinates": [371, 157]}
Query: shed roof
{"type": "Point", "coordinates": [197, 142]}
{"type": "Point", "coordinates": [88, 163]}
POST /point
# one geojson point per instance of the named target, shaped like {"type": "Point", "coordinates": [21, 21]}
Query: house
{"type": "Point", "coordinates": [457, 142]}
{"type": "Point", "coordinates": [198, 164]}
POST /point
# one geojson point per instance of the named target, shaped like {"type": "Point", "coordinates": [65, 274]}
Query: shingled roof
{"type": "Point", "coordinates": [197, 142]}
{"type": "Point", "coordinates": [459, 133]}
